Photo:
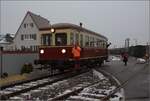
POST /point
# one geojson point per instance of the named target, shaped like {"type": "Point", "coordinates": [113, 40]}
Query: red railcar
{"type": "Point", "coordinates": [56, 46]}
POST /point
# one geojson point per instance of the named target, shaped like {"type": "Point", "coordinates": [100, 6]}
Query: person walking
{"type": "Point", "coordinates": [146, 57]}
{"type": "Point", "coordinates": [125, 58]}
{"type": "Point", "coordinates": [76, 50]}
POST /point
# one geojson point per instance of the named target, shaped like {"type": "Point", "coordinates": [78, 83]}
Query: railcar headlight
{"type": "Point", "coordinates": [63, 51]}
{"type": "Point", "coordinates": [42, 51]}
{"type": "Point", "coordinates": [52, 30]}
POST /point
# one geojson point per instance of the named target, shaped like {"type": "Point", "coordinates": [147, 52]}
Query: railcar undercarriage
{"type": "Point", "coordinates": [69, 63]}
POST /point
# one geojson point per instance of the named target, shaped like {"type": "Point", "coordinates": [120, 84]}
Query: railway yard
{"type": "Point", "coordinates": [98, 84]}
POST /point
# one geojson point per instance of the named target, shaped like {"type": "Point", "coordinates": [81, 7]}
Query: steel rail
{"type": "Point", "coordinates": [66, 95]}
{"type": "Point", "coordinates": [30, 80]}
{"type": "Point", "coordinates": [61, 77]}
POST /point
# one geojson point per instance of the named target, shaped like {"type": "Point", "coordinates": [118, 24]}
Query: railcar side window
{"type": "Point", "coordinates": [91, 41]}
{"type": "Point", "coordinates": [76, 38]}
{"type": "Point", "coordinates": [71, 39]}
{"type": "Point", "coordinates": [104, 44]}
{"type": "Point", "coordinates": [81, 40]}
{"type": "Point", "coordinates": [86, 40]}
{"type": "Point", "coordinates": [97, 42]}
{"type": "Point", "coordinates": [100, 43]}
{"type": "Point", "coordinates": [46, 39]}
{"type": "Point", "coordinates": [60, 39]}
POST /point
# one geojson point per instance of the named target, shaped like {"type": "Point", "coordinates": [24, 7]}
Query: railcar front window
{"type": "Point", "coordinates": [60, 39]}
{"type": "Point", "coordinates": [46, 39]}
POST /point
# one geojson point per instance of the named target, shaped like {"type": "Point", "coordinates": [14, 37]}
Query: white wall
{"type": "Point", "coordinates": [28, 30]}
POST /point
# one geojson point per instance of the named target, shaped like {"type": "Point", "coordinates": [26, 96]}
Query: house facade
{"type": "Point", "coordinates": [27, 37]}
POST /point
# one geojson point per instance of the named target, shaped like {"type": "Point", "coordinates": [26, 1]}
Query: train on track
{"type": "Point", "coordinates": [138, 51]}
{"type": "Point", "coordinates": [58, 40]}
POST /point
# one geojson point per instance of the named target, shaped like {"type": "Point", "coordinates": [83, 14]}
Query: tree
{"type": "Point", "coordinates": [8, 37]}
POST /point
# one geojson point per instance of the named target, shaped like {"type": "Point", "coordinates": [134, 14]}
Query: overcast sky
{"type": "Point", "coordinates": [116, 20]}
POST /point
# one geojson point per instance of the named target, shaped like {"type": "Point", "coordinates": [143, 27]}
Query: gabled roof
{"type": "Point", "coordinates": [73, 26]}
{"type": "Point", "coordinates": [40, 22]}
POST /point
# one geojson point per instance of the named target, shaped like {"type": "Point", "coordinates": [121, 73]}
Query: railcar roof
{"type": "Point", "coordinates": [73, 26]}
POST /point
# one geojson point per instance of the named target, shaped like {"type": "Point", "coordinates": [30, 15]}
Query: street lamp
{"type": "Point", "coordinates": [1, 51]}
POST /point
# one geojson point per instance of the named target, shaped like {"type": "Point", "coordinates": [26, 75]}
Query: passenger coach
{"type": "Point", "coordinates": [57, 42]}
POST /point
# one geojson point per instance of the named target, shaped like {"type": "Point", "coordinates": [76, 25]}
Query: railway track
{"type": "Point", "coordinates": [30, 80]}
{"type": "Point", "coordinates": [93, 91]}
{"type": "Point", "coordinates": [26, 86]}
{"type": "Point", "coordinates": [86, 85]}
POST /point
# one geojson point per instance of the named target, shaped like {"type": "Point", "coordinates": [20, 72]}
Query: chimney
{"type": "Point", "coordinates": [80, 24]}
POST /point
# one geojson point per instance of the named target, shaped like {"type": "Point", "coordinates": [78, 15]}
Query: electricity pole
{"type": "Point", "coordinates": [1, 52]}
{"type": "Point", "coordinates": [127, 44]}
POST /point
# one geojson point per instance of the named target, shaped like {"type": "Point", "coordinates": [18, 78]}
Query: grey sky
{"type": "Point", "coordinates": [117, 20]}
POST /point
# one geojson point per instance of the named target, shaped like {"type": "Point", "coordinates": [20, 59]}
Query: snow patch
{"type": "Point", "coordinates": [140, 60]}
{"type": "Point", "coordinates": [118, 97]}
{"type": "Point", "coordinates": [67, 91]}
{"type": "Point", "coordinates": [115, 58]}
{"type": "Point", "coordinates": [83, 98]}
{"type": "Point", "coordinates": [98, 74]}
{"type": "Point", "coordinates": [90, 94]}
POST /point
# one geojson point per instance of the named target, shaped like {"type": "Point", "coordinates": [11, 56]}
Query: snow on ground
{"type": "Point", "coordinates": [67, 91]}
{"type": "Point", "coordinates": [107, 91]}
{"type": "Point", "coordinates": [115, 58]}
{"type": "Point", "coordinates": [102, 88]}
{"type": "Point", "coordinates": [16, 98]}
{"type": "Point", "coordinates": [118, 97]}
{"type": "Point", "coordinates": [81, 98]}
{"type": "Point", "coordinates": [90, 94]}
{"type": "Point", "coordinates": [140, 60]}
{"type": "Point", "coordinates": [99, 75]}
